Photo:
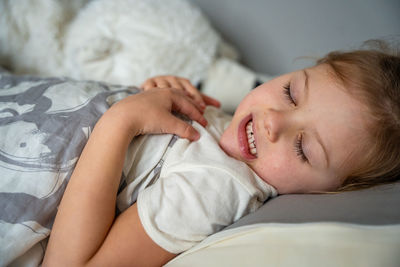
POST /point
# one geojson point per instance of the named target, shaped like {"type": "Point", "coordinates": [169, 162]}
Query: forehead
{"type": "Point", "coordinates": [340, 118]}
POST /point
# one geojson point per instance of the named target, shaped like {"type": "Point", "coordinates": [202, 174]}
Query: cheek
{"type": "Point", "coordinates": [257, 96]}
{"type": "Point", "coordinates": [277, 171]}
{"type": "Point", "coordinates": [244, 106]}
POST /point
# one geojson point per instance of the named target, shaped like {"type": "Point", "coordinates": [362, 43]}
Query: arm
{"type": "Point", "coordinates": [84, 232]}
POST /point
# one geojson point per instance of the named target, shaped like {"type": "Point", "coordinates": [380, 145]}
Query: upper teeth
{"type": "Point", "coordinates": [250, 138]}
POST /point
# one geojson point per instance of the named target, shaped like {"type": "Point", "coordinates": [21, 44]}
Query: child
{"type": "Point", "coordinates": [332, 127]}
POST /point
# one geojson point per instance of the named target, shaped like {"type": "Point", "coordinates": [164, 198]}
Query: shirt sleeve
{"type": "Point", "coordinates": [180, 210]}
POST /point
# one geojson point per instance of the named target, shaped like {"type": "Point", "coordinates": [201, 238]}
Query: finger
{"type": "Point", "coordinates": [188, 107]}
{"type": "Point", "coordinates": [150, 83]}
{"type": "Point", "coordinates": [194, 92]}
{"type": "Point", "coordinates": [174, 82]}
{"type": "Point", "coordinates": [161, 82]}
{"type": "Point", "coordinates": [181, 128]}
{"type": "Point", "coordinates": [211, 101]}
{"type": "Point", "coordinates": [189, 98]}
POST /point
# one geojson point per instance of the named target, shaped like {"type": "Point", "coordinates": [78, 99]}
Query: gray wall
{"type": "Point", "coordinates": [271, 34]}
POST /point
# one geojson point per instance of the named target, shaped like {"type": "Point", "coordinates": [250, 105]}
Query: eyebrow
{"type": "Point", "coordinates": [315, 133]}
{"type": "Point", "coordinates": [306, 83]}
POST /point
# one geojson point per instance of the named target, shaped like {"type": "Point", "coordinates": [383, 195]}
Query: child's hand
{"type": "Point", "coordinates": [150, 113]}
{"type": "Point", "coordinates": [181, 84]}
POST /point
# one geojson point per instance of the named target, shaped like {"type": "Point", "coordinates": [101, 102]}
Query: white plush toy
{"type": "Point", "coordinates": [120, 41]}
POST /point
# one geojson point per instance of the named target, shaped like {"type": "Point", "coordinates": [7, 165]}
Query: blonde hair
{"type": "Point", "coordinates": [374, 78]}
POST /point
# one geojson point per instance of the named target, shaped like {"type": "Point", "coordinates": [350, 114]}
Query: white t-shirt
{"type": "Point", "coordinates": [188, 190]}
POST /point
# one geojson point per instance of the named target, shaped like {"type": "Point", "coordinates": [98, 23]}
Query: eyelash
{"type": "Point", "coordinates": [288, 94]}
{"type": "Point", "coordinates": [298, 147]}
{"type": "Point", "coordinates": [299, 140]}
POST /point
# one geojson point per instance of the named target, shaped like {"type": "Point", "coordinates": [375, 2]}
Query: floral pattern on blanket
{"type": "Point", "coordinates": [44, 125]}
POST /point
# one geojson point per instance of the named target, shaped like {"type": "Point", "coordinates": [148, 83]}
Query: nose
{"type": "Point", "coordinates": [275, 123]}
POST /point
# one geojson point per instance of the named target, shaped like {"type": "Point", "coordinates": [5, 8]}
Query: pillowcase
{"type": "Point", "coordinates": [351, 228]}
{"type": "Point", "coordinates": [374, 206]}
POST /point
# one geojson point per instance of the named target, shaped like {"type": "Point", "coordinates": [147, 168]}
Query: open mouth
{"type": "Point", "coordinates": [250, 138]}
{"type": "Point", "coordinates": [247, 140]}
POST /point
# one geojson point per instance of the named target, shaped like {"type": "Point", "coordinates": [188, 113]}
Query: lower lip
{"type": "Point", "coordinates": [242, 138]}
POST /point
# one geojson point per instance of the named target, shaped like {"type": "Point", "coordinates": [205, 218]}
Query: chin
{"type": "Point", "coordinates": [227, 147]}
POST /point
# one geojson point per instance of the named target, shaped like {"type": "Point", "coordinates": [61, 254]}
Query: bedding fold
{"type": "Point", "coordinates": [44, 125]}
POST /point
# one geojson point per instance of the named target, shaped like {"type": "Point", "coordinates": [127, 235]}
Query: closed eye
{"type": "Point", "coordinates": [287, 92]}
{"type": "Point", "coordinates": [298, 147]}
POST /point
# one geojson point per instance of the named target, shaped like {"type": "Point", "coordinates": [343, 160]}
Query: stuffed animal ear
{"type": "Point", "coordinates": [229, 82]}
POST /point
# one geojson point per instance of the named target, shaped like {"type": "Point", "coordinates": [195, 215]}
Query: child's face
{"type": "Point", "coordinates": [300, 146]}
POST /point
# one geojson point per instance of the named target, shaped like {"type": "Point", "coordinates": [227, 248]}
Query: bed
{"type": "Point", "coordinates": [348, 229]}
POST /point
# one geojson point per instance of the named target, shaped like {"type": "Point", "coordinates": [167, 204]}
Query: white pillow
{"type": "Point", "coordinates": [301, 245]}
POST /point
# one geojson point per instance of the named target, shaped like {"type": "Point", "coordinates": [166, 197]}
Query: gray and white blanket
{"type": "Point", "coordinates": [44, 125]}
